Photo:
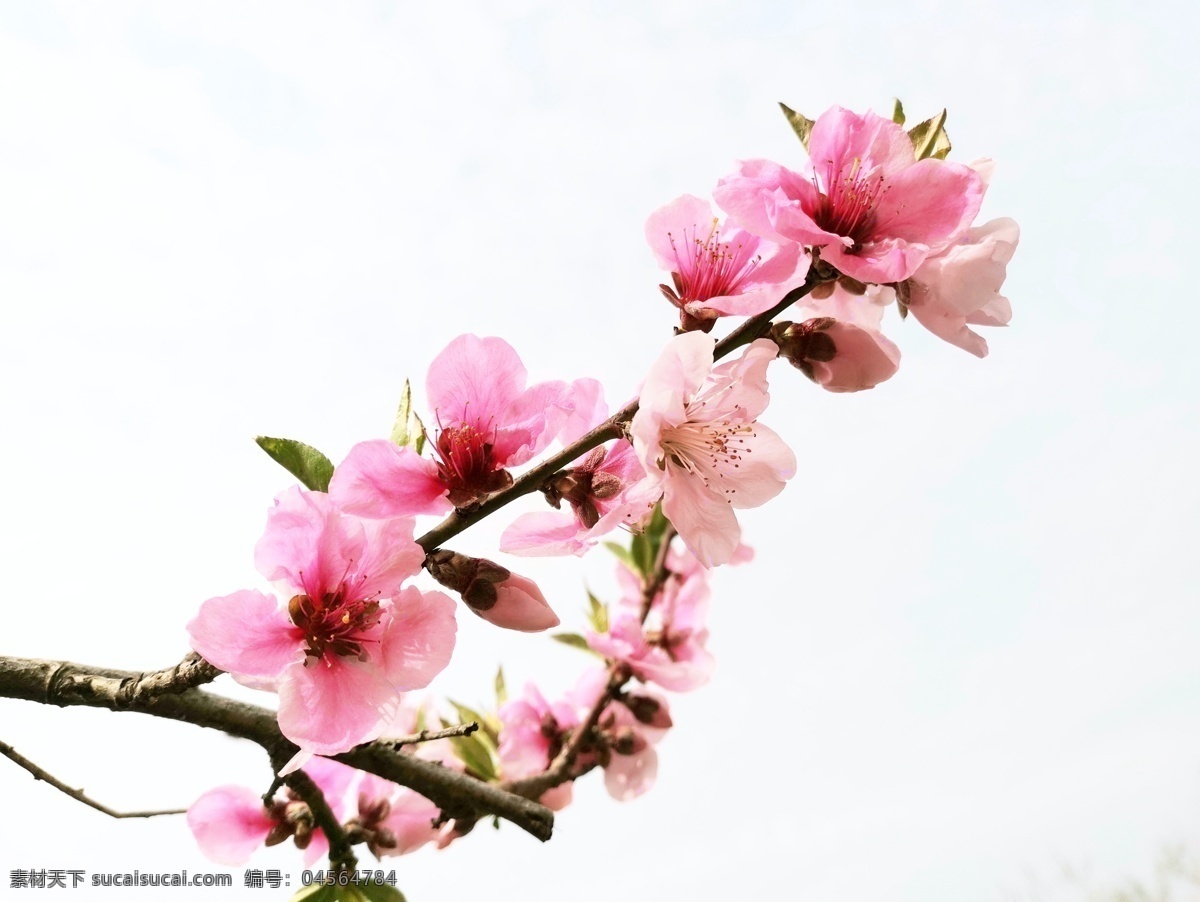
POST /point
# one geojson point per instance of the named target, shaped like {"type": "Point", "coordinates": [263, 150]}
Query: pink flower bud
{"type": "Point", "coordinates": [520, 605]}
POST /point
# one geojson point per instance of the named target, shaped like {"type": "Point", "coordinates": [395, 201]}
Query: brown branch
{"type": "Point", "coordinates": [65, 684]}
{"type": "Point", "coordinates": [614, 426]}
{"type": "Point", "coordinates": [341, 854]}
{"type": "Point", "coordinates": [464, 729]}
{"type": "Point", "coordinates": [77, 794]}
{"type": "Point", "coordinates": [192, 671]}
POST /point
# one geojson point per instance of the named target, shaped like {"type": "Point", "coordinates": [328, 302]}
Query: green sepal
{"type": "Point", "coordinates": [501, 688]}
{"type": "Point", "coordinates": [930, 139]}
{"type": "Point", "coordinates": [574, 640]}
{"type": "Point", "coordinates": [800, 124]}
{"type": "Point", "coordinates": [306, 463]}
{"type": "Point", "coordinates": [897, 111]}
{"type": "Point", "coordinates": [407, 430]}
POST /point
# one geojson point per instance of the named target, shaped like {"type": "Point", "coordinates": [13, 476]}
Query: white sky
{"type": "Point", "coordinates": [967, 651]}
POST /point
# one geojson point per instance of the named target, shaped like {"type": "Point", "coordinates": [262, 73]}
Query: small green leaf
{"type": "Point", "coordinates": [475, 755]}
{"type": "Point", "coordinates": [930, 139]}
{"type": "Point", "coordinates": [380, 892]}
{"type": "Point", "coordinates": [897, 111]}
{"type": "Point", "coordinates": [574, 640]}
{"type": "Point", "coordinates": [800, 124]}
{"type": "Point", "coordinates": [597, 613]}
{"type": "Point", "coordinates": [407, 430]}
{"type": "Point", "coordinates": [501, 689]}
{"type": "Point", "coordinates": [305, 462]}
{"type": "Point", "coordinates": [622, 554]}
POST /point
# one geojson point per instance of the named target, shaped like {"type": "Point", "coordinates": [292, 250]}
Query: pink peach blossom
{"type": "Point", "coordinates": [863, 198]}
{"type": "Point", "coordinates": [349, 640]}
{"type": "Point", "coordinates": [719, 269]}
{"type": "Point", "coordinates": [531, 736]}
{"type": "Point", "coordinates": [486, 419]}
{"type": "Point", "coordinates": [697, 434]}
{"type": "Point", "coordinates": [961, 285]}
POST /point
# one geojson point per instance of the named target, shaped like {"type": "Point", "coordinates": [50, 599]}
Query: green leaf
{"type": "Point", "coordinates": [501, 689]}
{"type": "Point", "coordinates": [475, 755]}
{"type": "Point", "coordinates": [597, 613]}
{"type": "Point", "coordinates": [305, 462]}
{"type": "Point", "coordinates": [897, 111]}
{"type": "Point", "coordinates": [407, 430]}
{"type": "Point", "coordinates": [800, 124]}
{"type": "Point", "coordinates": [622, 554]}
{"type": "Point", "coordinates": [930, 139]}
{"type": "Point", "coordinates": [574, 640]}
{"type": "Point", "coordinates": [380, 892]}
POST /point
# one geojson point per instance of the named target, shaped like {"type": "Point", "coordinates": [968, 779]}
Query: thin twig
{"type": "Point", "coordinates": [77, 794]}
{"type": "Point", "coordinates": [463, 729]}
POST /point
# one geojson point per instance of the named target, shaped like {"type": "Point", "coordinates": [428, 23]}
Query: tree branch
{"type": "Point", "coordinates": [192, 671]}
{"type": "Point", "coordinates": [77, 794]}
{"type": "Point", "coordinates": [341, 854]}
{"type": "Point", "coordinates": [65, 684]}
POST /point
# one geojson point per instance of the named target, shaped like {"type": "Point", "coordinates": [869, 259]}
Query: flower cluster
{"type": "Point", "coordinates": [875, 217]}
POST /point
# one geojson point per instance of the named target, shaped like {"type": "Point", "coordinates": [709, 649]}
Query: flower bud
{"type": "Point", "coordinates": [495, 593]}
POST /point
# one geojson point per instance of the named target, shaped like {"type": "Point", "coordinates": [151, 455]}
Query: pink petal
{"type": "Point", "coordinates": [389, 558]}
{"type": "Point", "coordinates": [756, 191]}
{"type": "Point", "coordinates": [246, 633]}
{"type": "Point", "coordinates": [589, 410]}
{"type": "Point", "coordinates": [670, 221]}
{"type": "Point", "coordinates": [419, 638]}
{"type": "Point", "coordinates": [930, 202]}
{"type": "Point", "coordinates": [331, 705]}
{"type": "Point", "coordinates": [474, 380]}
{"type": "Point", "coordinates": [531, 422]}
{"type": "Point", "coordinates": [705, 521]}
{"type": "Point", "coordinates": [380, 479]}
{"type": "Point", "coordinates": [308, 542]}
{"type": "Point", "coordinates": [842, 139]}
{"type": "Point", "coordinates": [544, 534]}
{"type": "Point", "coordinates": [229, 824]}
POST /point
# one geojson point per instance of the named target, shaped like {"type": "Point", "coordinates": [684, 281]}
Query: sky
{"type": "Point", "coordinates": [964, 660]}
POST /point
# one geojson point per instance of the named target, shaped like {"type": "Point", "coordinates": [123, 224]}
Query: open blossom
{"type": "Point", "coordinates": [486, 419]}
{"type": "Point", "coordinates": [874, 210]}
{"type": "Point", "coordinates": [839, 346]}
{"type": "Point", "coordinates": [698, 437]}
{"type": "Point", "coordinates": [719, 269]}
{"type": "Point", "coordinates": [604, 490]}
{"type": "Point", "coordinates": [668, 647]}
{"type": "Point", "coordinates": [960, 287]}
{"type": "Point", "coordinates": [231, 822]}
{"type": "Point", "coordinates": [348, 639]}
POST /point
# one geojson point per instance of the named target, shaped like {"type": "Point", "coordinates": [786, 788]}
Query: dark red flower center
{"type": "Point", "coordinates": [333, 624]}
{"type": "Point", "coordinates": [849, 205]}
{"type": "Point", "coordinates": [466, 464]}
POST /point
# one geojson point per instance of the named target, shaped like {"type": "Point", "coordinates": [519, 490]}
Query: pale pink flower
{"type": "Point", "coordinates": [348, 640]}
{"type": "Point", "coordinates": [961, 285]}
{"type": "Point", "coordinates": [863, 198]}
{"type": "Point", "coordinates": [604, 490]}
{"type": "Point", "coordinates": [230, 822]}
{"type": "Point", "coordinates": [669, 647]}
{"type": "Point", "coordinates": [839, 346]}
{"type": "Point", "coordinates": [698, 437]}
{"type": "Point", "coordinates": [486, 419]}
{"type": "Point", "coordinates": [719, 269]}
